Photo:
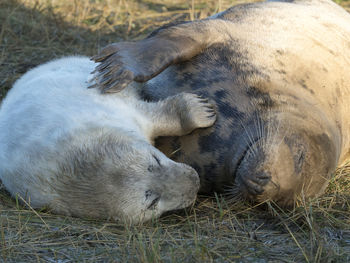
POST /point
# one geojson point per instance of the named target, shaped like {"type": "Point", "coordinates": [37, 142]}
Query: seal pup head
{"type": "Point", "coordinates": [152, 184]}
{"type": "Point", "coordinates": [122, 178]}
{"type": "Point", "coordinates": [291, 158]}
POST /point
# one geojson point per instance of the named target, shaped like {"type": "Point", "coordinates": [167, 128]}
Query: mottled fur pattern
{"type": "Point", "coordinates": [278, 73]}
{"type": "Point", "coordinates": [80, 153]}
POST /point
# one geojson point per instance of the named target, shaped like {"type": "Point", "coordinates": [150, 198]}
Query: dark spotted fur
{"type": "Point", "coordinates": [278, 73]}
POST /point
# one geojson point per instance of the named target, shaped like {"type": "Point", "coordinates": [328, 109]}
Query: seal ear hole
{"type": "Point", "coordinates": [150, 168]}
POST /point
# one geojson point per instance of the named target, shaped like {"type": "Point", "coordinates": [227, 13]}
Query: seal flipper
{"type": "Point", "coordinates": [179, 115]}
{"type": "Point", "coordinates": [124, 62]}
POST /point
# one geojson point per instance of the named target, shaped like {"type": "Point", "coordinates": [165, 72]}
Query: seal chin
{"type": "Point", "coordinates": [250, 179]}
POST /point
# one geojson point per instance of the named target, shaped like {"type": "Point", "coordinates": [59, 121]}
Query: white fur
{"type": "Point", "coordinates": [50, 102]}
{"type": "Point", "coordinates": [51, 105]}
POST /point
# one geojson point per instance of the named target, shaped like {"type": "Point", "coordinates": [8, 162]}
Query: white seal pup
{"type": "Point", "coordinates": [80, 153]}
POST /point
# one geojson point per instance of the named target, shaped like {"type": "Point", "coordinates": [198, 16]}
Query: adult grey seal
{"type": "Point", "coordinates": [279, 73]}
{"type": "Point", "coordinates": [80, 153]}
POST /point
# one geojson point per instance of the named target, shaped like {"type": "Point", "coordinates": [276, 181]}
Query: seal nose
{"type": "Point", "coordinates": [185, 178]}
{"type": "Point", "coordinates": [184, 188]}
{"type": "Point", "coordinates": [249, 176]}
{"type": "Point", "coordinates": [192, 176]}
{"type": "Point", "coordinates": [253, 183]}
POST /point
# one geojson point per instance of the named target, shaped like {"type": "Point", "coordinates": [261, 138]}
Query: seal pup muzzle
{"type": "Point", "coordinates": [278, 73]}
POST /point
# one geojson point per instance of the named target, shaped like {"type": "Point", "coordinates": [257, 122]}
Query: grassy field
{"type": "Point", "coordinates": [213, 230]}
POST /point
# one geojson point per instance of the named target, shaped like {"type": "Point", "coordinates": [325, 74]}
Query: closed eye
{"type": "Point", "coordinates": [301, 158]}
{"type": "Point", "coordinates": [157, 160]}
{"type": "Point", "coordinates": [154, 203]}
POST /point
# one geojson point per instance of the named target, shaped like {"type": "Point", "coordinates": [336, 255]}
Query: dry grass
{"type": "Point", "coordinates": [213, 230]}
